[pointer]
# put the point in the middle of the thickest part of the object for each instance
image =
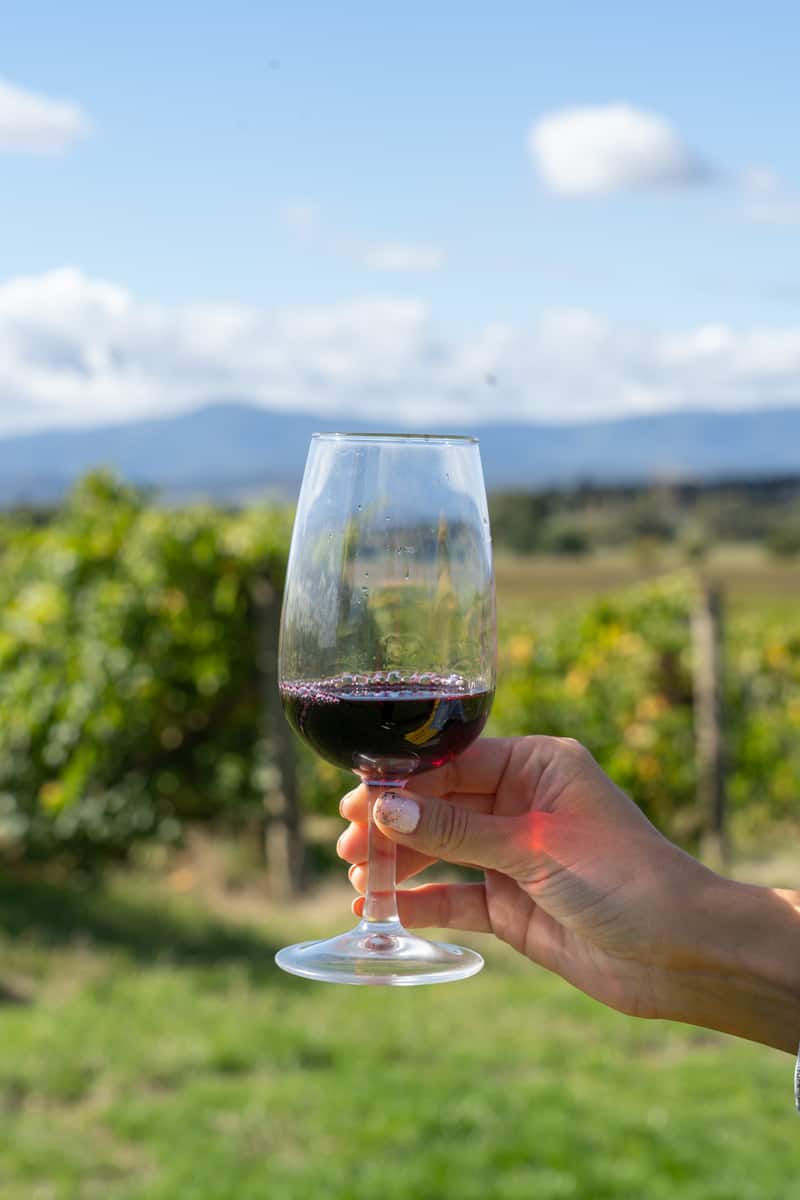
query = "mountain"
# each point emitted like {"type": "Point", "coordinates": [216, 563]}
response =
{"type": "Point", "coordinates": [229, 451]}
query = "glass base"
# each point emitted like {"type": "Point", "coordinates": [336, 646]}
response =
{"type": "Point", "coordinates": [380, 953]}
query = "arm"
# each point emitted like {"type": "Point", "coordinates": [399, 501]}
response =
{"type": "Point", "coordinates": [581, 882]}
{"type": "Point", "coordinates": [744, 977]}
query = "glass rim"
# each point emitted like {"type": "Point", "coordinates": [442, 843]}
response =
{"type": "Point", "coordinates": [436, 438]}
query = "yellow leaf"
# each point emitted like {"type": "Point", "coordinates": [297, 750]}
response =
{"type": "Point", "coordinates": [51, 795]}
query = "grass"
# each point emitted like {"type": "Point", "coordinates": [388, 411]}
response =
{"type": "Point", "coordinates": [151, 1051]}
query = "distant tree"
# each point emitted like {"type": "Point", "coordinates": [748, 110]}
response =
{"type": "Point", "coordinates": [784, 539]}
{"type": "Point", "coordinates": [517, 519]}
{"type": "Point", "coordinates": [562, 536]}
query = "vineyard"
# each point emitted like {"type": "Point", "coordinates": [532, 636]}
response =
{"type": "Point", "coordinates": [135, 649]}
{"type": "Point", "coordinates": [617, 675]}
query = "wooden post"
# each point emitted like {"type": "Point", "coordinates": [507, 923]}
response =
{"type": "Point", "coordinates": [706, 622]}
{"type": "Point", "coordinates": [283, 841]}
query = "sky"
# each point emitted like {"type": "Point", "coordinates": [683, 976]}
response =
{"type": "Point", "coordinates": [417, 212]}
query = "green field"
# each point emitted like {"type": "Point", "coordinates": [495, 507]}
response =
{"type": "Point", "coordinates": [153, 1052]}
{"type": "Point", "coordinates": [748, 576]}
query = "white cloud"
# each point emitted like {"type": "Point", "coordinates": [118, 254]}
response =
{"type": "Point", "coordinates": [80, 351]}
{"type": "Point", "coordinates": [780, 211]}
{"type": "Point", "coordinates": [35, 124]}
{"type": "Point", "coordinates": [303, 220]}
{"type": "Point", "coordinates": [760, 181]}
{"type": "Point", "coordinates": [767, 199]}
{"type": "Point", "coordinates": [608, 148]}
{"type": "Point", "coordinates": [403, 256]}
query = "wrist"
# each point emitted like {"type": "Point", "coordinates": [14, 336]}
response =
{"type": "Point", "coordinates": [737, 968]}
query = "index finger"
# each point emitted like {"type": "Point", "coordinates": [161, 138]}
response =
{"type": "Point", "coordinates": [471, 779]}
{"type": "Point", "coordinates": [354, 807]}
{"type": "Point", "coordinates": [479, 769]}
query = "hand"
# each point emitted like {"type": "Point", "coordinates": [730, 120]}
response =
{"type": "Point", "coordinates": [576, 877]}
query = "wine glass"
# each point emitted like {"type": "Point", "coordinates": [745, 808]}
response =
{"type": "Point", "coordinates": [387, 654]}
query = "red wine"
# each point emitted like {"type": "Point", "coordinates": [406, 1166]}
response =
{"type": "Point", "coordinates": [385, 725]}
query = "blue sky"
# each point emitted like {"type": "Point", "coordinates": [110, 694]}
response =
{"type": "Point", "coordinates": [343, 208]}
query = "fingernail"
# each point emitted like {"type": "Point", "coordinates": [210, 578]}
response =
{"type": "Point", "coordinates": [338, 843]}
{"type": "Point", "coordinates": [397, 810]}
{"type": "Point", "coordinates": [351, 873]}
{"type": "Point", "coordinates": [344, 800]}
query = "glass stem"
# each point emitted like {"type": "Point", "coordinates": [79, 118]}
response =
{"type": "Point", "coordinates": [380, 903]}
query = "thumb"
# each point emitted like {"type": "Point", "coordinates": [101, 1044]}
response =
{"type": "Point", "coordinates": [440, 829]}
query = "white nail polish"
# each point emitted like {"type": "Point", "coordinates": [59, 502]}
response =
{"type": "Point", "coordinates": [398, 811]}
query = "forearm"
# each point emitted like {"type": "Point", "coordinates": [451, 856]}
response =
{"type": "Point", "coordinates": [743, 973]}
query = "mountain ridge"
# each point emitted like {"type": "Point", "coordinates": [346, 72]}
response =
{"type": "Point", "coordinates": [230, 450]}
